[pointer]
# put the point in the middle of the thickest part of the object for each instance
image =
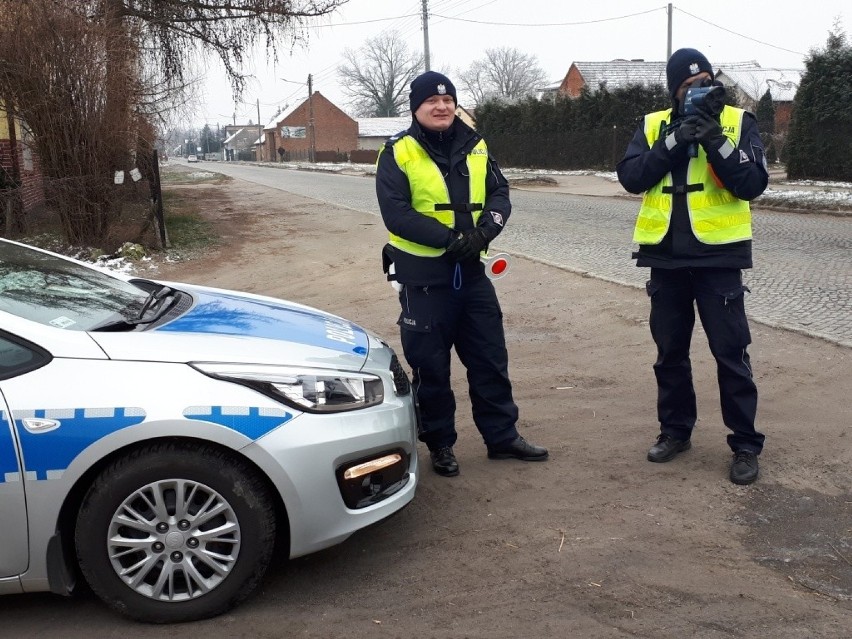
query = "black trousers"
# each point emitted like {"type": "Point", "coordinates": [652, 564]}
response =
{"type": "Point", "coordinates": [433, 321]}
{"type": "Point", "coordinates": [718, 293]}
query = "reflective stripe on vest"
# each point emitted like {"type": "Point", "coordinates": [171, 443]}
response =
{"type": "Point", "coordinates": [428, 188]}
{"type": "Point", "coordinates": [717, 216]}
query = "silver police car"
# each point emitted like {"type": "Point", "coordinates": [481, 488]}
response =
{"type": "Point", "coordinates": [159, 438]}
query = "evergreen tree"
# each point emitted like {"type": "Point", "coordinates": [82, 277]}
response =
{"type": "Point", "coordinates": [820, 139]}
{"type": "Point", "coordinates": [766, 113]}
{"type": "Point", "coordinates": [766, 123]}
{"type": "Point", "coordinates": [208, 141]}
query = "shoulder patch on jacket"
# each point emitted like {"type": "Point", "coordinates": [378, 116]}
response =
{"type": "Point", "coordinates": [395, 138]}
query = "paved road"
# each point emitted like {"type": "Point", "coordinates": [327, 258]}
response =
{"type": "Point", "coordinates": [803, 275]}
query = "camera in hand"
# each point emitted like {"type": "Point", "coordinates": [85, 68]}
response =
{"type": "Point", "coordinates": [710, 100]}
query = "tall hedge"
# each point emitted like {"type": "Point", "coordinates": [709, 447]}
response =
{"type": "Point", "coordinates": [820, 139]}
{"type": "Point", "coordinates": [588, 132]}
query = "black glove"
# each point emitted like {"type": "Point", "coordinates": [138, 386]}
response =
{"type": "Point", "coordinates": [477, 239]}
{"type": "Point", "coordinates": [487, 222]}
{"type": "Point", "coordinates": [467, 245]}
{"type": "Point", "coordinates": [706, 128]}
{"type": "Point", "coordinates": [686, 133]}
{"type": "Point", "coordinates": [458, 248]}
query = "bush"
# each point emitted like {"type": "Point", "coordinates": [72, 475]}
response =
{"type": "Point", "coordinates": [591, 131]}
{"type": "Point", "coordinates": [819, 145]}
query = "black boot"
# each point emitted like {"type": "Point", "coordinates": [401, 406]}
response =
{"type": "Point", "coordinates": [666, 448]}
{"type": "Point", "coordinates": [744, 468]}
{"type": "Point", "coordinates": [518, 448]}
{"type": "Point", "coordinates": [444, 462]}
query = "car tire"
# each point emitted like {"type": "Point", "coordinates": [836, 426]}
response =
{"type": "Point", "coordinates": [175, 532]}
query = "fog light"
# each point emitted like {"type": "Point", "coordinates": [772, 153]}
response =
{"type": "Point", "coordinates": [363, 482]}
{"type": "Point", "coordinates": [372, 466]}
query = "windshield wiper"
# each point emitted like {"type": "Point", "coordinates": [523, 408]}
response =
{"type": "Point", "coordinates": [154, 302]}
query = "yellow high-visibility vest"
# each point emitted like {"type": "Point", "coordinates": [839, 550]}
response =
{"type": "Point", "coordinates": [717, 216]}
{"type": "Point", "coordinates": [429, 189]}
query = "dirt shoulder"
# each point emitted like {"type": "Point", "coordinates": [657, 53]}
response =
{"type": "Point", "coordinates": [597, 542]}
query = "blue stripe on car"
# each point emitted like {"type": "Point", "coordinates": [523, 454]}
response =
{"type": "Point", "coordinates": [79, 427]}
{"type": "Point", "coordinates": [251, 421]}
{"type": "Point", "coordinates": [8, 458]}
{"type": "Point", "coordinates": [48, 453]}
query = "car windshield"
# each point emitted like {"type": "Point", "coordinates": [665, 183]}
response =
{"type": "Point", "coordinates": [49, 290]}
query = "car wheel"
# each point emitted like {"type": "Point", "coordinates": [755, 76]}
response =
{"type": "Point", "coordinates": [175, 532]}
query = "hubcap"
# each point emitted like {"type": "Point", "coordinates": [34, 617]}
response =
{"type": "Point", "coordinates": [174, 540]}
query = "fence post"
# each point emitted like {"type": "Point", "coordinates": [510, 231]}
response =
{"type": "Point", "coordinates": [9, 205]}
{"type": "Point", "coordinates": [157, 201]}
{"type": "Point", "coordinates": [614, 140]}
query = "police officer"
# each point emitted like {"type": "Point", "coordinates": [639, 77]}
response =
{"type": "Point", "coordinates": [694, 232]}
{"type": "Point", "coordinates": [443, 199]}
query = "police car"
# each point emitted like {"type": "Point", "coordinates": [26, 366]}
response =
{"type": "Point", "coordinates": [158, 439]}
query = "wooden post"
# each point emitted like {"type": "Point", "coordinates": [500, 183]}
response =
{"type": "Point", "coordinates": [157, 202]}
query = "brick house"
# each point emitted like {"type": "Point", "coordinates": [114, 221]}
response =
{"type": "Point", "coordinates": [18, 162]}
{"type": "Point", "coordinates": [337, 135]}
{"type": "Point", "coordinates": [614, 74]}
{"type": "Point", "coordinates": [751, 82]}
{"type": "Point", "coordinates": [334, 131]}
{"type": "Point", "coordinates": [748, 80]}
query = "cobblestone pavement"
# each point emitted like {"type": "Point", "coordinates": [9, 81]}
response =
{"type": "Point", "coordinates": [802, 279]}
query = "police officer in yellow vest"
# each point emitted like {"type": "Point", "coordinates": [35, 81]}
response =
{"type": "Point", "coordinates": [694, 232]}
{"type": "Point", "coordinates": [443, 199]}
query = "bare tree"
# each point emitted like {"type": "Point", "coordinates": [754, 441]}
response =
{"type": "Point", "coordinates": [86, 75]}
{"type": "Point", "coordinates": [505, 74]}
{"type": "Point", "coordinates": [53, 73]}
{"type": "Point", "coordinates": [175, 31]}
{"type": "Point", "coordinates": [376, 76]}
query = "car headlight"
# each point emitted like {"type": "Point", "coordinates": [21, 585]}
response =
{"type": "Point", "coordinates": [313, 390]}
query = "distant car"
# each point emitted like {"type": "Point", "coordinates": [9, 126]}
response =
{"type": "Point", "coordinates": [192, 158]}
{"type": "Point", "coordinates": [159, 438]}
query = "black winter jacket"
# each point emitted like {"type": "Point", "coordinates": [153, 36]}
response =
{"type": "Point", "coordinates": [743, 173]}
{"type": "Point", "coordinates": [449, 151]}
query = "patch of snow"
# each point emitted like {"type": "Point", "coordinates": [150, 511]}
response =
{"type": "Point", "coordinates": [831, 197]}
{"type": "Point", "coordinates": [118, 264]}
{"type": "Point", "coordinates": [834, 185]}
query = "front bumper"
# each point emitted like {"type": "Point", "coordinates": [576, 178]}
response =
{"type": "Point", "coordinates": [304, 456]}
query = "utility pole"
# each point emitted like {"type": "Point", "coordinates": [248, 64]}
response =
{"type": "Point", "coordinates": [312, 139]}
{"type": "Point", "coordinates": [259, 132]}
{"type": "Point", "coordinates": [426, 34]}
{"type": "Point", "coordinates": [669, 43]}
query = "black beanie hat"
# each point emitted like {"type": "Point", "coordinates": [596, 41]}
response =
{"type": "Point", "coordinates": [684, 64]}
{"type": "Point", "coordinates": [428, 84]}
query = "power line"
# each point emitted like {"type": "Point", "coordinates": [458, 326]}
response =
{"type": "Point", "coordinates": [549, 24]}
{"type": "Point", "coordinates": [351, 24]}
{"type": "Point", "coordinates": [739, 34]}
{"type": "Point", "coordinates": [461, 13]}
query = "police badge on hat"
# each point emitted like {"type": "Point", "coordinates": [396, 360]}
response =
{"type": "Point", "coordinates": [442, 89]}
{"type": "Point", "coordinates": [693, 68]}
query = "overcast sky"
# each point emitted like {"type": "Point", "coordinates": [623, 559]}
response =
{"type": "Point", "coordinates": [557, 32]}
